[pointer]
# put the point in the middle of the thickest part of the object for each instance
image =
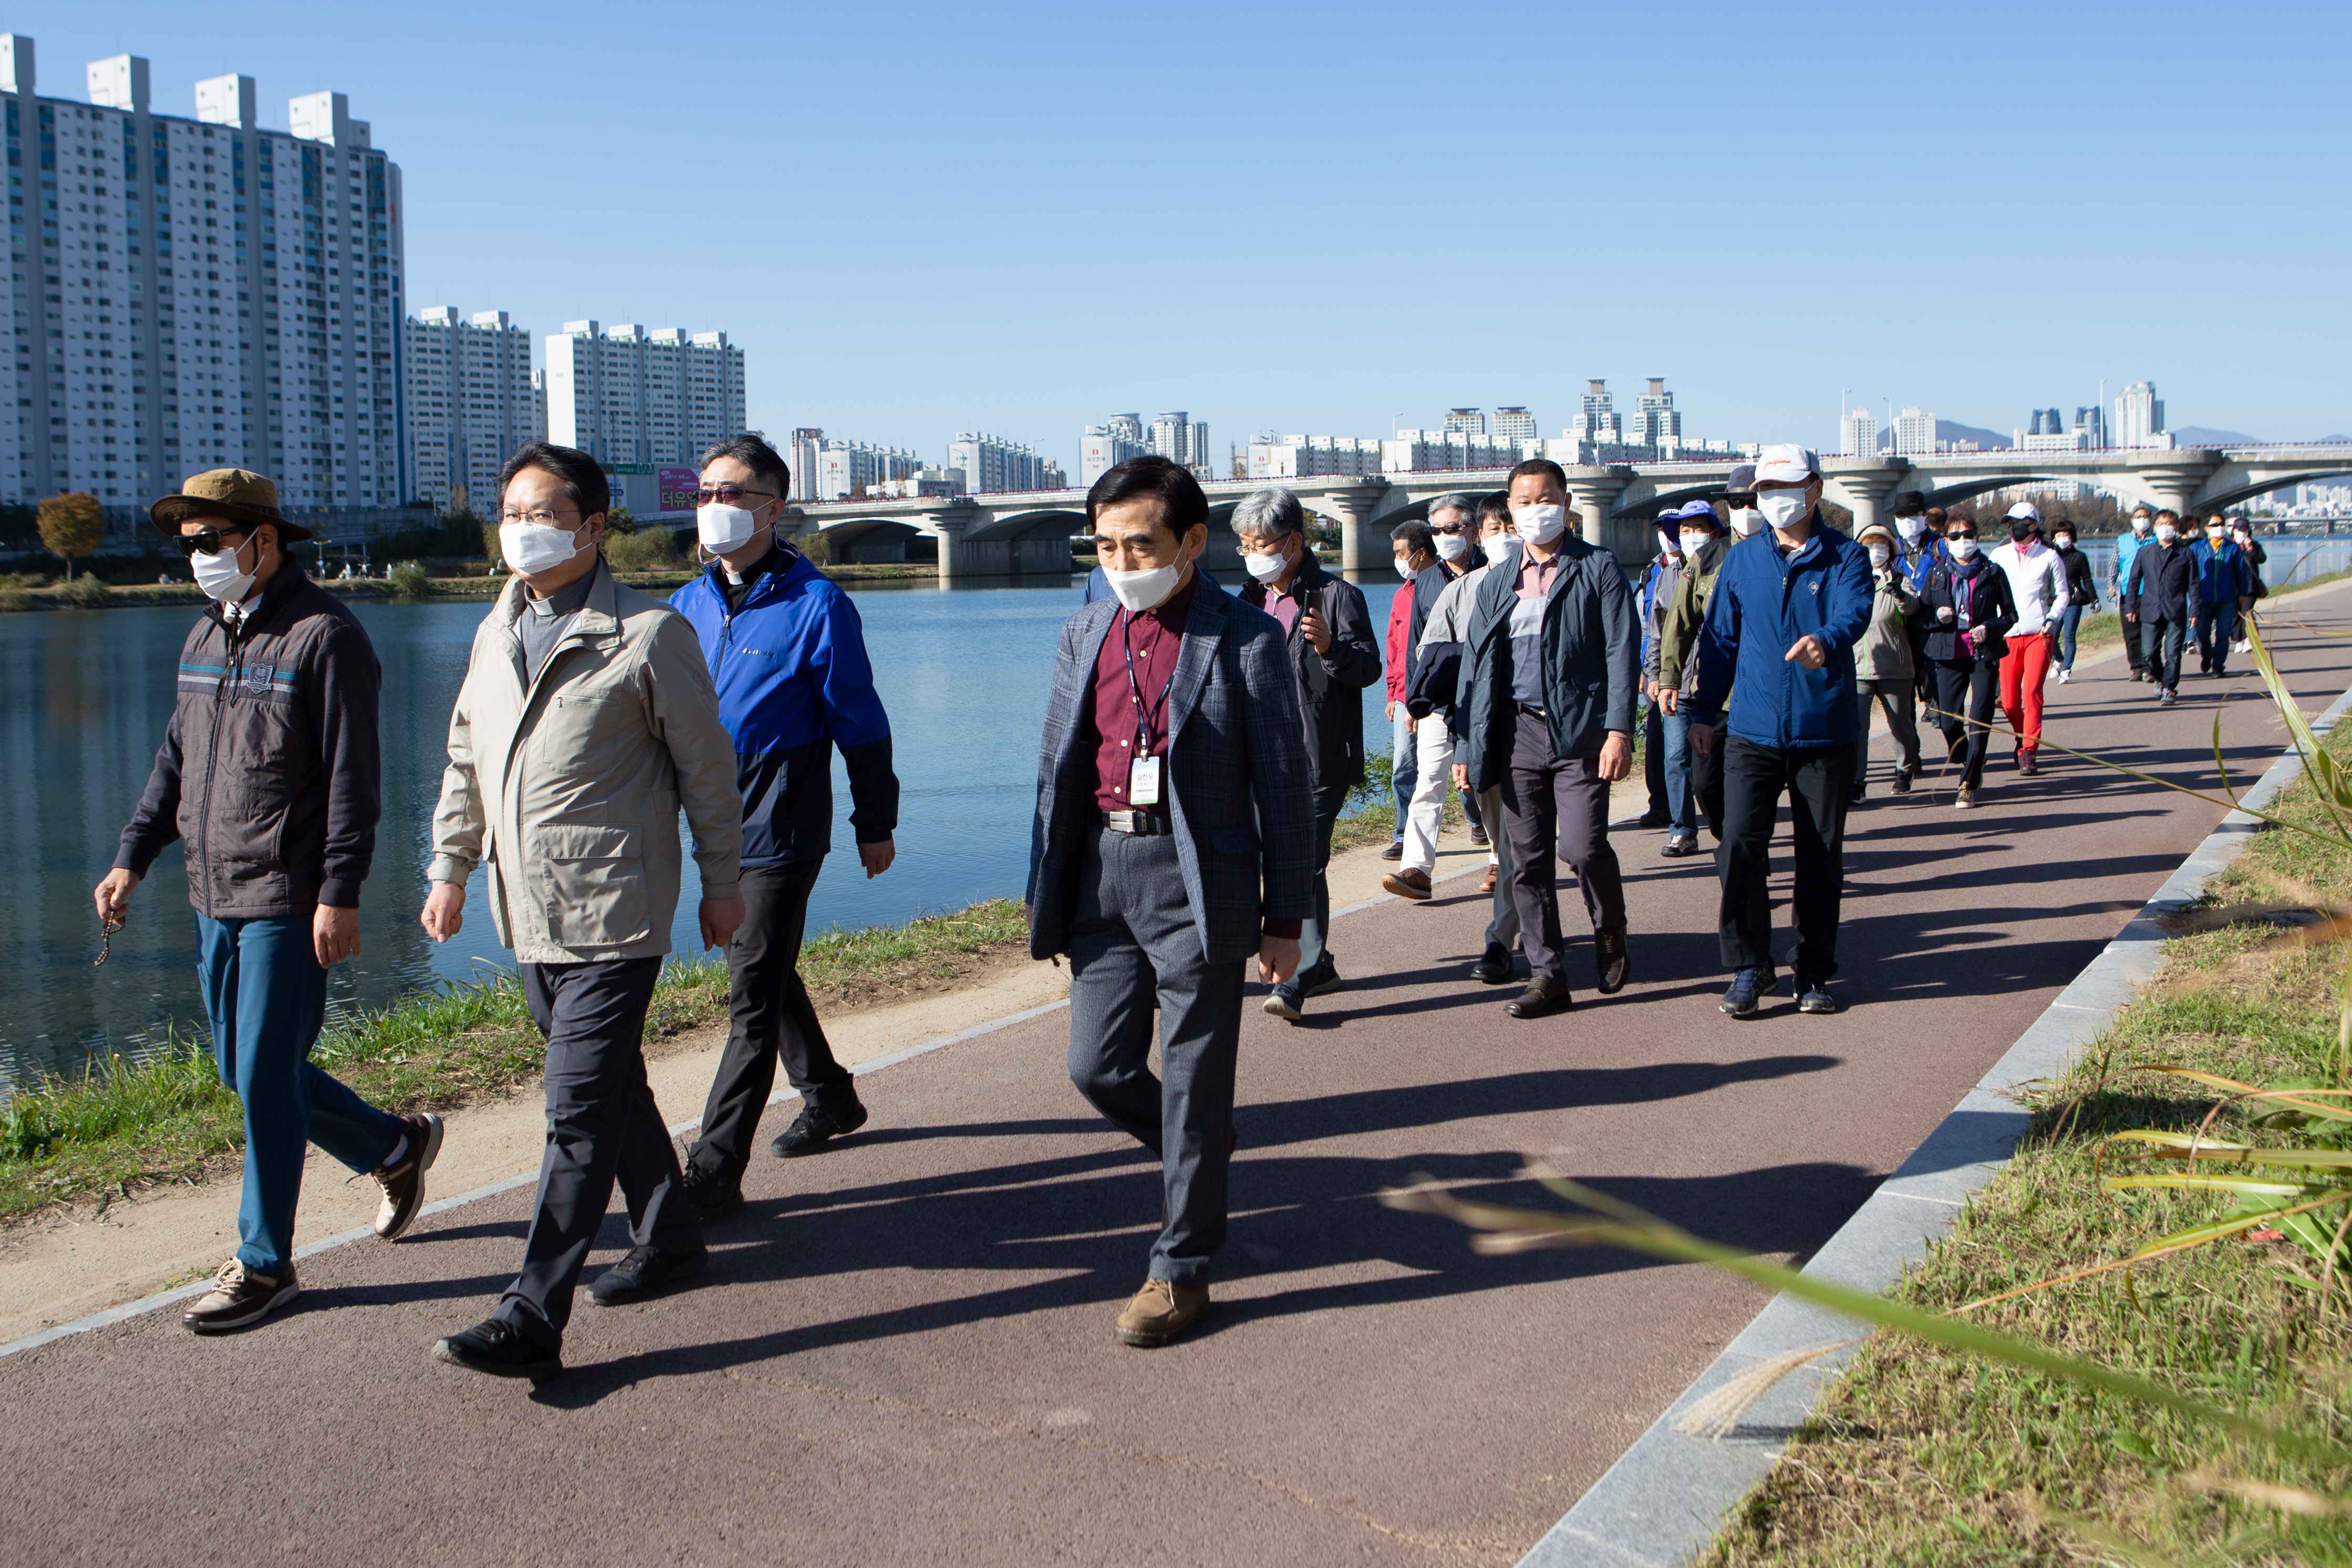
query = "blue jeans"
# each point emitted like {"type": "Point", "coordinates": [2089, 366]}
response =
{"type": "Point", "coordinates": [1673, 731]}
{"type": "Point", "coordinates": [2068, 619]}
{"type": "Point", "coordinates": [1404, 765]}
{"type": "Point", "coordinates": [268, 997]}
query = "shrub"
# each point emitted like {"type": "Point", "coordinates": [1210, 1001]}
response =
{"type": "Point", "coordinates": [410, 580]}
{"type": "Point", "coordinates": [89, 593]}
{"type": "Point", "coordinates": [71, 525]}
{"type": "Point", "coordinates": [649, 548]}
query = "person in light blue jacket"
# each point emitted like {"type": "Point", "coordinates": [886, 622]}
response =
{"type": "Point", "coordinates": [1789, 604]}
{"type": "Point", "coordinates": [2143, 519]}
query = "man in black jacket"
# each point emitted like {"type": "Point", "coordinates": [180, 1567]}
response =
{"type": "Point", "coordinates": [1334, 654]}
{"type": "Point", "coordinates": [270, 771]}
{"type": "Point", "coordinates": [2158, 592]}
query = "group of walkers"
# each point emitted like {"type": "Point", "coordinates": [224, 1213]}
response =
{"type": "Point", "coordinates": [1197, 750]}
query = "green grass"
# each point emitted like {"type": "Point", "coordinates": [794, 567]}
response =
{"type": "Point", "coordinates": [1922, 1456]}
{"type": "Point", "coordinates": [167, 1117]}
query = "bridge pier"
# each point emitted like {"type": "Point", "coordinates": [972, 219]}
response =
{"type": "Point", "coordinates": [1359, 550]}
{"type": "Point", "coordinates": [1592, 493]}
{"type": "Point", "coordinates": [1861, 485]}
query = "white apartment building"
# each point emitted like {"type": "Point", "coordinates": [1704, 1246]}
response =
{"type": "Point", "coordinates": [1176, 437]}
{"type": "Point", "coordinates": [992, 464]}
{"type": "Point", "coordinates": [634, 394]}
{"type": "Point", "coordinates": [1657, 422]}
{"type": "Point", "coordinates": [471, 400]}
{"type": "Point", "coordinates": [1858, 434]}
{"type": "Point", "coordinates": [800, 454]}
{"type": "Point", "coordinates": [845, 469]}
{"type": "Point", "coordinates": [1314, 457]}
{"type": "Point", "coordinates": [2139, 417]}
{"type": "Point", "coordinates": [1915, 433]}
{"type": "Point", "coordinates": [1422, 451]}
{"type": "Point", "coordinates": [1514, 423]}
{"type": "Point", "coordinates": [198, 293]}
{"type": "Point", "coordinates": [1103, 447]}
{"type": "Point", "coordinates": [1465, 422]}
{"type": "Point", "coordinates": [1596, 417]}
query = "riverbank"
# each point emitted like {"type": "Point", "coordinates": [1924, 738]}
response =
{"type": "Point", "coordinates": [23, 592]}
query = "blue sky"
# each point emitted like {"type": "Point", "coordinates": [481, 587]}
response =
{"type": "Point", "coordinates": [918, 218]}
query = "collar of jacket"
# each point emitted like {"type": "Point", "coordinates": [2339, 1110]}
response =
{"type": "Point", "coordinates": [599, 617]}
{"type": "Point", "coordinates": [1204, 627]}
{"type": "Point", "coordinates": [283, 584]}
{"type": "Point", "coordinates": [790, 563]}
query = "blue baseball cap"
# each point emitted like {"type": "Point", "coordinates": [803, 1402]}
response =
{"type": "Point", "coordinates": [1691, 509]}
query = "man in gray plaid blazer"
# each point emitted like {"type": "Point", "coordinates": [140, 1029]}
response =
{"type": "Point", "coordinates": [1173, 838]}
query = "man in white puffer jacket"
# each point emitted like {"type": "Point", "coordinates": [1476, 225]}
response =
{"type": "Point", "coordinates": [2037, 581]}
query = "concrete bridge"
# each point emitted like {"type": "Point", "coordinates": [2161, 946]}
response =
{"type": "Point", "coordinates": [1003, 533]}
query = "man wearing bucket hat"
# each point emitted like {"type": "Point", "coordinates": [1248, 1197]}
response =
{"type": "Point", "coordinates": [1698, 548]}
{"type": "Point", "coordinates": [269, 770]}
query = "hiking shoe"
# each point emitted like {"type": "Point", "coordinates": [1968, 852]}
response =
{"type": "Point", "coordinates": [1901, 785]}
{"type": "Point", "coordinates": [2028, 762]}
{"type": "Point", "coordinates": [1967, 799]}
{"type": "Point", "coordinates": [1487, 883]}
{"type": "Point", "coordinates": [816, 1126]}
{"type": "Point", "coordinates": [1159, 1313]}
{"type": "Point", "coordinates": [1395, 852]}
{"type": "Point", "coordinates": [1408, 882]}
{"type": "Point", "coordinates": [1813, 995]}
{"type": "Point", "coordinates": [1543, 998]}
{"type": "Point", "coordinates": [1654, 817]}
{"type": "Point", "coordinates": [1497, 967]}
{"type": "Point", "coordinates": [1478, 837]}
{"type": "Point", "coordinates": [1678, 845]}
{"type": "Point", "coordinates": [1287, 1002]}
{"type": "Point", "coordinates": [1610, 962]}
{"type": "Point", "coordinates": [2164, 700]}
{"type": "Point", "coordinates": [714, 1195]}
{"type": "Point", "coordinates": [646, 1271]}
{"type": "Point", "coordinates": [404, 1184]}
{"type": "Point", "coordinates": [239, 1299]}
{"type": "Point", "coordinates": [1320, 980]}
{"type": "Point", "coordinates": [498, 1349]}
{"type": "Point", "coordinates": [1739, 1001]}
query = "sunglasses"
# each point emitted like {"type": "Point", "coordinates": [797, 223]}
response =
{"type": "Point", "coordinates": [727, 495]}
{"type": "Point", "coordinates": [210, 542]}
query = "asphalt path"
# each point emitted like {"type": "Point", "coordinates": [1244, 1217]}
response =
{"type": "Point", "coordinates": [902, 1350]}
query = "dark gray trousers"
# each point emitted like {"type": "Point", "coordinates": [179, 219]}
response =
{"type": "Point", "coordinates": [1557, 805]}
{"type": "Point", "coordinates": [770, 1018]}
{"type": "Point", "coordinates": [602, 1125]}
{"type": "Point", "coordinates": [1315, 932]}
{"type": "Point", "coordinates": [1133, 947]}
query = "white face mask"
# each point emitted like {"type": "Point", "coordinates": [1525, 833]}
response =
{"type": "Point", "coordinates": [1746, 520]}
{"type": "Point", "coordinates": [2061, 542]}
{"type": "Point", "coordinates": [1404, 569]}
{"type": "Point", "coordinates": [2167, 533]}
{"type": "Point", "coordinates": [1539, 524]}
{"type": "Point", "coordinates": [1695, 542]}
{"type": "Point", "coordinates": [221, 578]}
{"type": "Point", "coordinates": [1880, 555]}
{"type": "Point", "coordinates": [1782, 508]}
{"type": "Point", "coordinates": [1142, 590]}
{"type": "Point", "coordinates": [532, 549]}
{"type": "Point", "coordinates": [1266, 568]}
{"type": "Point", "coordinates": [1911, 527]}
{"type": "Point", "coordinates": [1962, 547]}
{"type": "Point", "coordinates": [1452, 547]}
{"type": "Point", "coordinates": [2139, 525]}
{"type": "Point", "coordinates": [724, 530]}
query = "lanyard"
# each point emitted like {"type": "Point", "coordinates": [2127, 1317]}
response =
{"type": "Point", "coordinates": [1143, 711]}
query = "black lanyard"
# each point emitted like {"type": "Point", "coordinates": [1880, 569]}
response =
{"type": "Point", "coordinates": [1143, 711]}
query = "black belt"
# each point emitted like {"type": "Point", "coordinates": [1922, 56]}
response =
{"type": "Point", "coordinates": [1532, 711]}
{"type": "Point", "coordinates": [1143, 824]}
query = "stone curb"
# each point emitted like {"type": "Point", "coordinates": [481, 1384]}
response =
{"type": "Point", "coordinates": [1663, 1501]}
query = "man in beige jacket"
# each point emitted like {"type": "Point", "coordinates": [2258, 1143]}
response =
{"type": "Point", "coordinates": [587, 719]}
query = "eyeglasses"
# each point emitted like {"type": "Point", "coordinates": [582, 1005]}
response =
{"type": "Point", "coordinates": [727, 495]}
{"type": "Point", "coordinates": [537, 520]}
{"type": "Point", "coordinates": [1446, 528]}
{"type": "Point", "coordinates": [210, 541]}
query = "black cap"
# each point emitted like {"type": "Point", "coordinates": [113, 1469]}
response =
{"type": "Point", "coordinates": [1903, 503]}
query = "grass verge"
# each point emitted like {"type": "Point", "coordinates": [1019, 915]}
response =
{"type": "Point", "coordinates": [1922, 1456]}
{"type": "Point", "coordinates": [131, 1124]}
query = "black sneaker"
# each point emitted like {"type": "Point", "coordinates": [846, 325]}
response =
{"type": "Point", "coordinates": [1395, 852]}
{"type": "Point", "coordinates": [1901, 785]}
{"type": "Point", "coordinates": [1287, 1002]}
{"type": "Point", "coordinates": [1855, 795]}
{"type": "Point", "coordinates": [1610, 962]}
{"type": "Point", "coordinates": [1497, 968]}
{"type": "Point", "coordinates": [1654, 818]}
{"type": "Point", "coordinates": [1739, 1001]}
{"type": "Point", "coordinates": [499, 1350]}
{"type": "Point", "coordinates": [1478, 837]}
{"type": "Point", "coordinates": [1813, 995]}
{"type": "Point", "coordinates": [714, 1195]}
{"type": "Point", "coordinates": [1321, 980]}
{"type": "Point", "coordinates": [815, 1128]}
{"type": "Point", "coordinates": [646, 1271]}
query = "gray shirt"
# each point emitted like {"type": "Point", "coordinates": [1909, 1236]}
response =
{"type": "Point", "coordinates": [545, 620]}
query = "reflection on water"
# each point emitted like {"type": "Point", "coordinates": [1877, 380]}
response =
{"type": "Point", "coordinates": [85, 697]}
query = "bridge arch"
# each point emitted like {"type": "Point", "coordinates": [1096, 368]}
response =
{"type": "Point", "coordinates": [1036, 523]}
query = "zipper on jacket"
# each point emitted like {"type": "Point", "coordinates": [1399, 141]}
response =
{"type": "Point", "coordinates": [235, 644]}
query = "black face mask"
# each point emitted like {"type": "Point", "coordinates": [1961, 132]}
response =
{"type": "Point", "coordinates": [2017, 533]}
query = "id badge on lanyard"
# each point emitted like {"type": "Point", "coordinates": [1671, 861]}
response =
{"type": "Point", "coordinates": [1143, 781]}
{"type": "Point", "coordinates": [1143, 772]}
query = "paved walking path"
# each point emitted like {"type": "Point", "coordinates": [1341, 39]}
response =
{"type": "Point", "coordinates": [901, 1353]}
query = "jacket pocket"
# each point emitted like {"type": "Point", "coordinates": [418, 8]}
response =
{"type": "Point", "coordinates": [591, 884]}
{"type": "Point", "coordinates": [1233, 841]}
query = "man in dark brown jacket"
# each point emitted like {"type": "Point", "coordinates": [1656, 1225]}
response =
{"type": "Point", "coordinates": [268, 770]}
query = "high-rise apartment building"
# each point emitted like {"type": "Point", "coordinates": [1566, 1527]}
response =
{"type": "Point", "coordinates": [799, 456]}
{"type": "Point", "coordinates": [2139, 417]}
{"type": "Point", "coordinates": [471, 400]}
{"type": "Point", "coordinates": [1858, 434]}
{"type": "Point", "coordinates": [844, 469]}
{"type": "Point", "coordinates": [2090, 422]}
{"type": "Point", "coordinates": [1596, 417]}
{"type": "Point", "coordinates": [1514, 423]}
{"type": "Point", "coordinates": [1103, 447]}
{"type": "Point", "coordinates": [1181, 440]}
{"type": "Point", "coordinates": [1315, 456]}
{"type": "Point", "coordinates": [1655, 422]}
{"type": "Point", "coordinates": [1465, 422]}
{"type": "Point", "coordinates": [637, 395]}
{"type": "Point", "coordinates": [198, 293]}
{"type": "Point", "coordinates": [991, 464]}
{"type": "Point", "coordinates": [1915, 433]}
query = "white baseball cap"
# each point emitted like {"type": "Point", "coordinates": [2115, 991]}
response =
{"type": "Point", "coordinates": [1786, 466]}
{"type": "Point", "coordinates": [2025, 510]}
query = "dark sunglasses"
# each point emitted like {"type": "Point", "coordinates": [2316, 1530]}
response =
{"type": "Point", "coordinates": [210, 542]}
{"type": "Point", "coordinates": [727, 495]}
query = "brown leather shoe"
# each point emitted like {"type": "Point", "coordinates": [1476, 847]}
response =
{"type": "Point", "coordinates": [239, 1300]}
{"type": "Point", "coordinates": [404, 1184]}
{"type": "Point", "coordinates": [1407, 883]}
{"type": "Point", "coordinates": [1160, 1312]}
{"type": "Point", "coordinates": [1543, 998]}
{"type": "Point", "coordinates": [1487, 883]}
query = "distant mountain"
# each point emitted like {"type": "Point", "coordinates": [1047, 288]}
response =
{"type": "Point", "coordinates": [2205, 436]}
{"type": "Point", "coordinates": [1950, 430]}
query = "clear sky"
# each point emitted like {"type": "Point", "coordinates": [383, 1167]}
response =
{"type": "Point", "coordinates": [924, 217]}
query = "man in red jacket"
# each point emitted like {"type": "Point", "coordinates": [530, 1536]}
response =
{"type": "Point", "coordinates": [1416, 551]}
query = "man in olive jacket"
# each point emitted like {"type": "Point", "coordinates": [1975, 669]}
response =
{"type": "Point", "coordinates": [269, 771]}
{"type": "Point", "coordinates": [1551, 665]}
{"type": "Point", "coordinates": [587, 718]}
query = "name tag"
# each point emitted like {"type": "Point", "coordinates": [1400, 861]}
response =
{"type": "Point", "coordinates": [1143, 781]}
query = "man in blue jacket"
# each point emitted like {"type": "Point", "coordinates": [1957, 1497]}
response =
{"type": "Point", "coordinates": [2225, 588]}
{"type": "Point", "coordinates": [788, 654]}
{"type": "Point", "coordinates": [1789, 606]}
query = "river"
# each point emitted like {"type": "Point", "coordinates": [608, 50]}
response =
{"type": "Point", "coordinates": [85, 697]}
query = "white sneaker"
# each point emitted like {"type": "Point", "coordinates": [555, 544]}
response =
{"type": "Point", "coordinates": [2065, 677]}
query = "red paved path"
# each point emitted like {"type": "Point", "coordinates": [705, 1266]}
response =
{"type": "Point", "coordinates": [902, 1354]}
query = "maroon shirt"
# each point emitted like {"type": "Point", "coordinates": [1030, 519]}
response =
{"type": "Point", "coordinates": [1155, 638]}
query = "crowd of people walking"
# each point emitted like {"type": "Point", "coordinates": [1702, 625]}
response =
{"type": "Point", "coordinates": [1198, 748]}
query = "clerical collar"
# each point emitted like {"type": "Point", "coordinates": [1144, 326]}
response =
{"type": "Point", "coordinates": [567, 600]}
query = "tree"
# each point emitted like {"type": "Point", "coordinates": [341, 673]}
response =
{"type": "Point", "coordinates": [71, 525]}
